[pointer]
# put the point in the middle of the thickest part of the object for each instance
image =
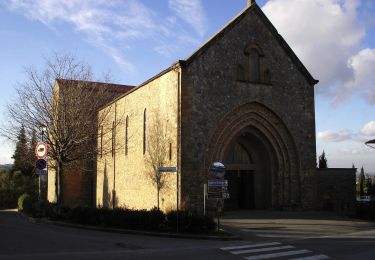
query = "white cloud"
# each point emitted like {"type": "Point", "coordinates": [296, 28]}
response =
{"type": "Point", "coordinates": [361, 136]}
{"type": "Point", "coordinates": [192, 12]}
{"type": "Point", "coordinates": [117, 26]}
{"type": "Point", "coordinates": [103, 22]}
{"type": "Point", "coordinates": [349, 151]}
{"type": "Point", "coordinates": [326, 35]}
{"type": "Point", "coordinates": [339, 136]}
{"type": "Point", "coordinates": [368, 129]}
{"type": "Point", "coordinates": [363, 66]}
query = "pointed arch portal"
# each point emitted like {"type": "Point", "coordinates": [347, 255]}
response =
{"type": "Point", "coordinates": [260, 157]}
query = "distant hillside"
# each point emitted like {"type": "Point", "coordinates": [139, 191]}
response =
{"type": "Point", "coordinates": [7, 167]}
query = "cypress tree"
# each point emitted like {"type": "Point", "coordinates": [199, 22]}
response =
{"type": "Point", "coordinates": [21, 153]}
{"type": "Point", "coordinates": [323, 161]}
{"type": "Point", "coordinates": [361, 180]}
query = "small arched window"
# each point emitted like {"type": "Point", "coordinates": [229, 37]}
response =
{"type": "Point", "coordinates": [144, 131]}
{"type": "Point", "coordinates": [126, 134]}
{"type": "Point", "coordinates": [254, 65]}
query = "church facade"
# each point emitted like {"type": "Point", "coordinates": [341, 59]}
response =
{"type": "Point", "coordinates": [243, 99]}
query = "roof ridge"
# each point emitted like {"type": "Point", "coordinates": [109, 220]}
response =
{"type": "Point", "coordinates": [92, 82]}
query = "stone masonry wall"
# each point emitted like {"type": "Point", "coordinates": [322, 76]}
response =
{"type": "Point", "coordinates": [127, 174]}
{"type": "Point", "coordinates": [210, 90]}
{"type": "Point", "coordinates": [336, 189]}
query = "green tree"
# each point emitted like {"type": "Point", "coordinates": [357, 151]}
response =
{"type": "Point", "coordinates": [64, 97]}
{"type": "Point", "coordinates": [21, 153]}
{"type": "Point", "coordinates": [371, 186]}
{"type": "Point", "coordinates": [323, 161]}
{"type": "Point", "coordinates": [13, 185]}
{"type": "Point", "coordinates": [361, 182]}
{"type": "Point", "coordinates": [368, 184]}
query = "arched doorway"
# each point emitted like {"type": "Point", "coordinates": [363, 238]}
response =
{"type": "Point", "coordinates": [260, 157]}
{"type": "Point", "coordinates": [250, 163]}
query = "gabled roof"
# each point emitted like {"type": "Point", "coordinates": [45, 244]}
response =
{"type": "Point", "coordinates": [256, 10]}
{"type": "Point", "coordinates": [252, 8]}
{"type": "Point", "coordinates": [110, 87]}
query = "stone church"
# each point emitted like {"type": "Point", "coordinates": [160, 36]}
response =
{"type": "Point", "coordinates": [243, 99]}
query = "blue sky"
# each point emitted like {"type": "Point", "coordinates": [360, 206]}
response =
{"type": "Point", "coordinates": [136, 39]}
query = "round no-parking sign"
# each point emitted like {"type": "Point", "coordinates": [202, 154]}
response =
{"type": "Point", "coordinates": [41, 150]}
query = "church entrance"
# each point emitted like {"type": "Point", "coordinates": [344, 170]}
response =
{"type": "Point", "coordinates": [260, 157]}
{"type": "Point", "coordinates": [249, 163]}
{"type": "Point", "coordinates": [241, 190]}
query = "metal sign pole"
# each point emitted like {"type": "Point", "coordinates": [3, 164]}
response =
{"type": "Point", "coordinates": [204, 198]}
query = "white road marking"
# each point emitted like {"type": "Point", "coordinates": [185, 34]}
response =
{"type": "Point", "coordinates": [314, 257]}
{"type": "Point", "coordinates": [266, 249]}
{"type": "Point", "coordinates": [250, 246]}
{"type": "Point", "coordinates": [266, 256]}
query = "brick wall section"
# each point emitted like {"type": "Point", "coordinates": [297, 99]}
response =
{"type": "Point", "coordinates": [210, 90]}
{"type": "Point", "coordinates": [336, 189]}
{"type": "Point", "coordinates": [80, 176]}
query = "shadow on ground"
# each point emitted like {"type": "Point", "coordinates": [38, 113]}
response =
{"type": "Point", "coordinates": [287, 225]}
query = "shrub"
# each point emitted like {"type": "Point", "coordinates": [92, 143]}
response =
{"type": "Point", "coordinates": [366, 210]}
{"type": "Point", "coordinates": [152, 220]}
{"type": "Point", "coordinates": [190, 222]}
{"type": "Point", "coordinates": [84, 216]}
{"type": "Point", "coordinates": [133, 219]}
{"type": "Point", "coordinates": [13, 185]}
{"type": "Point", "coordinates": [25, 203]}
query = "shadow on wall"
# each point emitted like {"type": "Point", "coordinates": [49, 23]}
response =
{"type": "Point", "coordinates": [106, 195]}
{"type": "Point", "coordinates": [109, 198]}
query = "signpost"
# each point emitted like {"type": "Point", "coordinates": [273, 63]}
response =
{"type": "Point", "coordinates": [41, 164]}
{"type": "Point", "coordinates": [41, 150]}
{"type": "Point", "coordinates": [217, 187]}
{"type": "Point", "coordinates": [167, 169]}
{"type": "Point", "coordinates": [41, 168]}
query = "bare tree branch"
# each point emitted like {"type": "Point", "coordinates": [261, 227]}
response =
{"type": "Point", "coordinates": [65, 99]}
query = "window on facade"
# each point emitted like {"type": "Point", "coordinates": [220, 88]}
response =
{"type": "Point", "coordinates": [101, 141]}
{"type": "Point", "coordinates": [170, 151]}
{"type": "Point", "coordinates": [126, 134]}
{"type": "Point", "coordinates": [254, 65]}
{"type": "Point", "coordinates": [144, 131]}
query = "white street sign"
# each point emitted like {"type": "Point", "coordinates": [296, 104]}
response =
{"type": "Point", "coordinates": [167, 169]}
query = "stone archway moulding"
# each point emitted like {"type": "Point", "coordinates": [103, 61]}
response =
{"type": "Point", "coordinates": [286, 181]}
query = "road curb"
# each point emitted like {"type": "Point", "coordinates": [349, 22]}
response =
{"type": "Point", "coordinates": [132, 232]}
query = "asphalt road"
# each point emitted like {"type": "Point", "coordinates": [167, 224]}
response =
{"type": "Point", "coordinates": [267, 235]}
{"type": "Point", "coordinates": [337, 237]}
{"type": "Point", "coordinates": [21, 239]}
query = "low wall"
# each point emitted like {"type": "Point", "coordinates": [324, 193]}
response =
{"type": "Point", "coordinates": [336, 189]}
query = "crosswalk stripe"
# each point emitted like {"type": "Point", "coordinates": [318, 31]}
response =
{"type": "Point", "coordinates": [265, 249]}
{"type": "Point", "coordinates": [250, 246]}
{"type": "Point", "coordinates": [265, 256]}
{"type": "Point", "coordinates": [314, 257]}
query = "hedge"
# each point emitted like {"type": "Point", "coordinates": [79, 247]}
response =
{"type": "Point", "coordinates": [148, 220]}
